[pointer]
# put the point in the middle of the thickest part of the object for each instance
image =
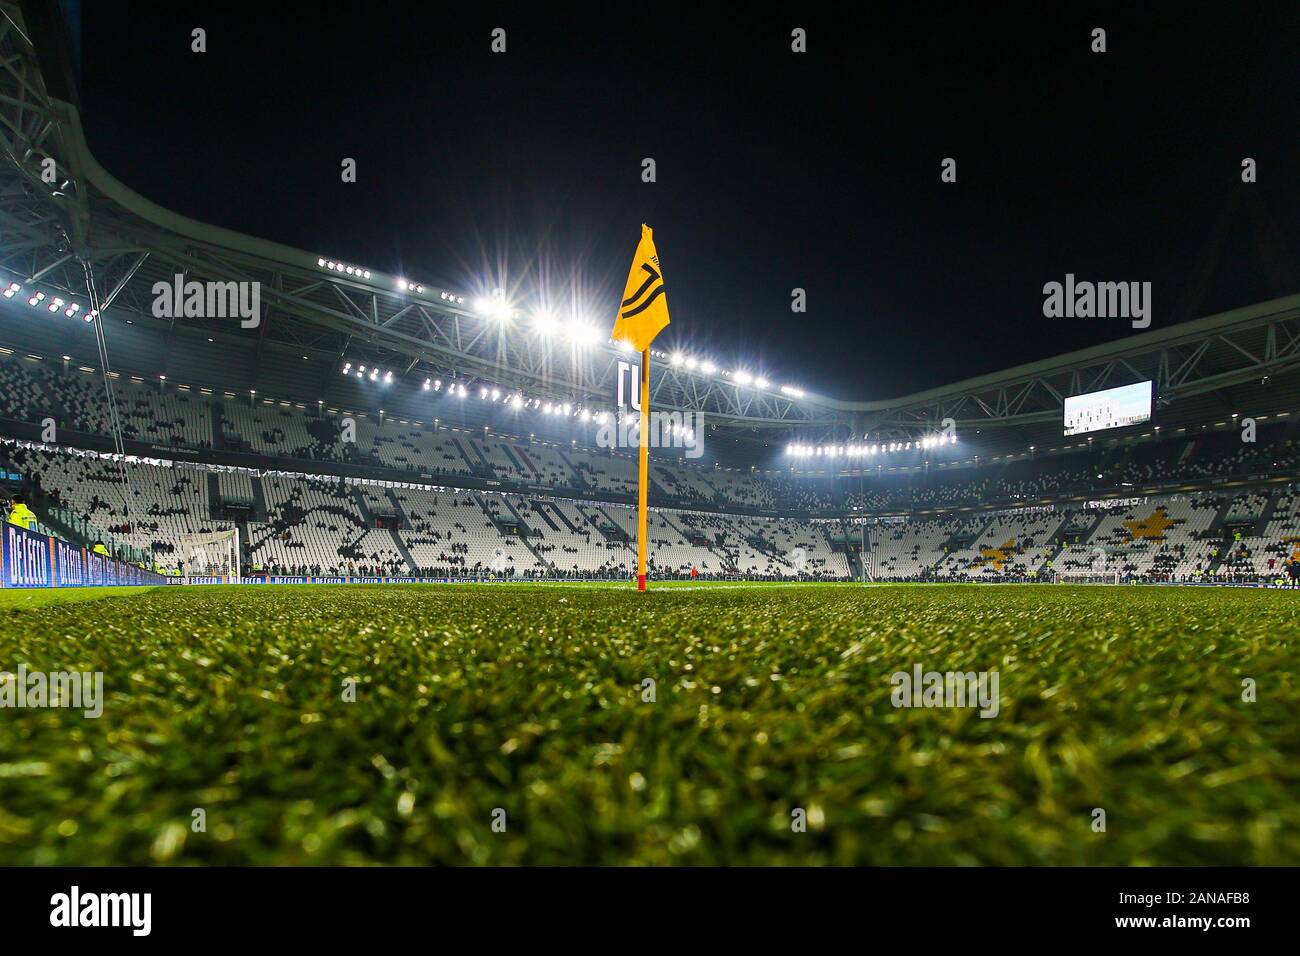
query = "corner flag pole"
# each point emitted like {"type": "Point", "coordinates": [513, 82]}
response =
{"type": "Point", "coordinates": [642, 314]}
{"type": "Point", "coordinates": [644, 471]}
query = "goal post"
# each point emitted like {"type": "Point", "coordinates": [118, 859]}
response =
{"type": "Point", "coordinates": [213, 554]}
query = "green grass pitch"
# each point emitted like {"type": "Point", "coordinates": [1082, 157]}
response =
{"type": "Point", "coordinates": [767, 699]}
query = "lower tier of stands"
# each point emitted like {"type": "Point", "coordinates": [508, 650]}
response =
{"type": "Point", "coordinates": [299, 524]}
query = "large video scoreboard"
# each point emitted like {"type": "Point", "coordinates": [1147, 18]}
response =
{"type": "Point", "coordinates": [1111, 408]}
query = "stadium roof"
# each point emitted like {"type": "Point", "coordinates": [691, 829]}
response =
{"type": "Point", "coordinates": [88, 238]}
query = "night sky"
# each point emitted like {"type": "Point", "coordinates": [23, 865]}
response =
{"type": "Point", "coordinates": [775, 170]}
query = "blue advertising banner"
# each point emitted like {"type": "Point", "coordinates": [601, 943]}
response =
{"type": "Point", "coordinates": [31, 560]}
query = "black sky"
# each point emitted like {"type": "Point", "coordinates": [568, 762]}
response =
{"type": "Point", "coordinates": [775, 170]}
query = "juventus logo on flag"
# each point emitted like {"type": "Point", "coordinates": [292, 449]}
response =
{"type": "Point", "coordinates": [643, 313]}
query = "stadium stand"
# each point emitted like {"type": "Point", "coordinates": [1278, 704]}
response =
{"type": "Point", "coordinates": [565, 512]}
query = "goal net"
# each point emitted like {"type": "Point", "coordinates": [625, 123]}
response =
{"type": "Point", "coordinates": [1087, 577]}
{"type": "Point", "coordinates": [211, 555]}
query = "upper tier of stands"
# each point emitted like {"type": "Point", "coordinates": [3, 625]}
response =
{"type": "Point", "coordinates": [298, 438]}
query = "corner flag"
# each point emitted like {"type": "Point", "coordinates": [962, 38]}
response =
{"type": "Point", "coordinates": [642, 315]}
{"type": "Point", "coordinates": [644, 310]}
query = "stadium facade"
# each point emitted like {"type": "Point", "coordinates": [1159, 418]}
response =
{"type": "Point", "coordinates": [163, 378]}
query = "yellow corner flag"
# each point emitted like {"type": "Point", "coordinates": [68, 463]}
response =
{"type": "Point", "coordinates": [642, 315]}
{"type": "Point", "coordinates": [644, 311]}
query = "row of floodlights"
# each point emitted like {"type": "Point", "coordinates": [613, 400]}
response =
{"type": "Point", "coordinates": [545, 323]}
{"type": "Point", "coordinates": [404, 285]}
{"type": "Point", "coordinates": [372, 373]}
{"type": "Point", "coordinates": [517, 400]}
{"type": "Point", "coordinates": [333, 266]}
{"type": "Point", "coordinates": [485, 393]}
{"type": "Point", "coordinates": [856, 451]}
{"type": "Point", "coordinates": [56, 304]}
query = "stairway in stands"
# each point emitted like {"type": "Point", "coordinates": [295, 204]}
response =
{"type": "Point", "coordinates": [525, 537]}
{"type": "Point", "coordinates": [545, 513]}
{"type": "Point", "coordinates": [360, 500]}
{"type": "Point", "coordinates": [259, 500]}
{"type": "Point", "coordinates": [561, 515]}
{"type": "Point", "coordinates": [579, 479]}
{"type": "Point", "coordinates": [402, 521]}
{"type": "Point", "coordinates": [404, 551]}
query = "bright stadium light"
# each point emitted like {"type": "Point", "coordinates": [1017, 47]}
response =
{"type": "Point", "coordinates": [743, 378]}
{"type": "Point", "coordinates": [762, 382]}
{"type": "Point", "coordinates": [792, 391]}
{"type": "Point", "coordinates": [677, 359]}
{"type": "Point", "coordinates": [582, 334]}
{"type": "Point", "coordinates": [545, 322]}
{"type": "Point", "coordinates": [691, 363]}
{"type": "Point", "coordinates": [493, 308]}
{"type": "Point", "coordinates": [708, 368]}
